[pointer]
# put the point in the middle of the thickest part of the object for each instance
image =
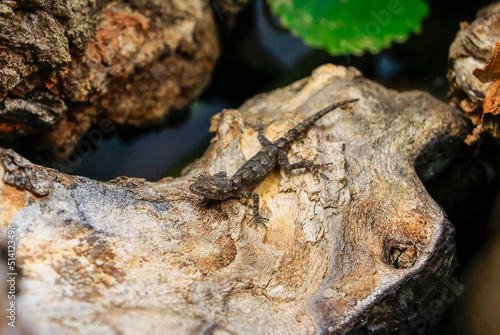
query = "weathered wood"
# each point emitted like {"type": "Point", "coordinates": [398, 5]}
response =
{"type": "Point", "coordinates": [367, 251]}
{"type": "Point", "coordinates": [475, 71]}
{"type": "Point", "coordinates": [66, 64]}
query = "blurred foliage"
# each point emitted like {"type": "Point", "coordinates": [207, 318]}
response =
{"type": "Point", "coordinates": [351, 26]}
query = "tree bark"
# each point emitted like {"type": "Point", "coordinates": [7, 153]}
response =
{"type": "Point", "coordinates": [64, 65]}
{"type": "Point", "coordinates": [365, 252]}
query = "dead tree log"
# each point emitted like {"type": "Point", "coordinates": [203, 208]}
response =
{"type": "Point", "coordinates": [64, 65]}
{"type": "Point", "coordinates": [366, 252]}
{"type": "Point", "coordinates": [475, 71]}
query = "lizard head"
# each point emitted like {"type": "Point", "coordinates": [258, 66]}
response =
{"type": "Point", "coordinates": [212, 187]}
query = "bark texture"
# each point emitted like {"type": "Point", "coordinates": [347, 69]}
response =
{"type": "Point", "coordinates": [365, 252]}
{"type": "Point", "coordinates": [66, 64]}
{"type": "Point", "coordinates": [475, 71]}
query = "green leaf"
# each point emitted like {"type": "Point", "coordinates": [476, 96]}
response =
{"type": "Point", "coordinates": [351, 26]}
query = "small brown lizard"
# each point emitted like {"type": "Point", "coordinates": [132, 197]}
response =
{"type": "Point", "coordinates": [257, 168]}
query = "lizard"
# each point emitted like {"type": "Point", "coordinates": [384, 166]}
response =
{"type": "Point", "coordinates": [258, 167]}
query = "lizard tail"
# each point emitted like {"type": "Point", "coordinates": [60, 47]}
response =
{"type": "Point", "coordinates": [299, 129]}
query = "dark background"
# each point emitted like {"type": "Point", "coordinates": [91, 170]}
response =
{"type": "Point", "coordinates": [257, 56]}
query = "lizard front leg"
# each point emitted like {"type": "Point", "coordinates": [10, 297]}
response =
{"type": "Point", "coordinates": [264, 141]}
{"type": "Point", "coordinates": [284, 163]}
{"type": "Point", "coordinates": [255, 204]}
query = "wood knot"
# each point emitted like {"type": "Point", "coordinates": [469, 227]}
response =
{"type": "Point", "coordinates": [400, 255]}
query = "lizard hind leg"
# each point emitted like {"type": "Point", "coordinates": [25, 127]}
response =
{"type": "Point", "coordinates": [284, 163]}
